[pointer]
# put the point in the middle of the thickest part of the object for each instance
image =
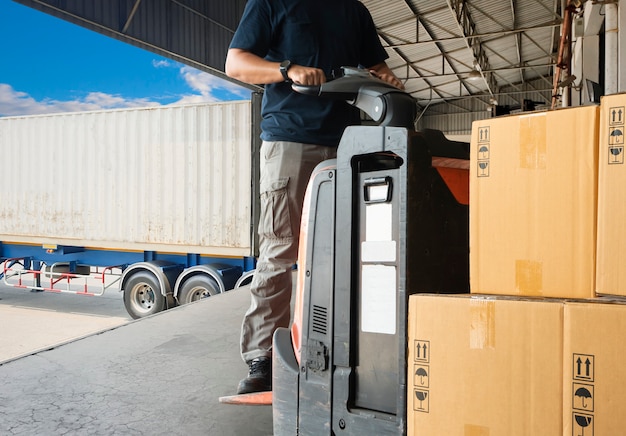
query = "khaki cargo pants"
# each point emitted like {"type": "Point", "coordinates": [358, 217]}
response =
{"type": "Point", "coordinates": [285, 169]}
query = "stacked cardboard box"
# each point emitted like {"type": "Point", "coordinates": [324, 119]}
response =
{"type": "Point", "coordinates": [611, 274]}
{"type": "Point", "coordinates": [484, 367]}
{"type": "Point", "coordinates": [594, 374]}
{"type": "Point", "coordinates": [533, 184]}
{"type": "Point", "coordinates": [533, 349]}
{"type": "Point", "coordinates": [494, 365]}
{"type": "Point", "coordinates": [546, 196]}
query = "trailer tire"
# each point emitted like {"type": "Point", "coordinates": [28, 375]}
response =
{"type": "Point", "coordinates": [197, 287]}
{"type": "Point", "coordinates": [142, 295]}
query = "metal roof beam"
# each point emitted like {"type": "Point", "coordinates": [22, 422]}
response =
{"type": "Point", "coordinates": [511, 68]}
{"type": "Point", "coordinates": [444, 54]}
{"type": "Point", "coordinates": [468, 30]}
{"type": "Point", "coordinates": [486, 96]}
{"type": "Point", "coordinates": [407, 61]}
{"type": "Point", "coordinates": [499, 33]}
{"type": "Point", "coordinates": [129, 20]}
{"type": "Point", "coordinates": [518, 38]}
{"type": "Point", "coordinates": [203, 16]}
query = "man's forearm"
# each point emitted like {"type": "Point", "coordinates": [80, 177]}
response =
{"type": "Point", "coordinates": [250, 68]}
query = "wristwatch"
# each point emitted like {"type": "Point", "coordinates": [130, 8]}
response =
{"type": "Point", "coordinates": [284, 67]}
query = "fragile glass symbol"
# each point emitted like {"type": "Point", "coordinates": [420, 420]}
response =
{"type": "Point", "coordinates": [483, 166]}
{"type": "Point", "coordinates": [583, 421]}
{"type": "Point", "coordinates": [421, 396]}
{"type": "Point", "coordinates": [616, 151]}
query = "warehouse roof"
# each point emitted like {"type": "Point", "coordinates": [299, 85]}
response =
{"type": "Point", "coordinates": [454, 55]}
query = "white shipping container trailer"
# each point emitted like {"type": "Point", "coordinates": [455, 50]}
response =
{"type": "Point", "coordinates": [154, 200]}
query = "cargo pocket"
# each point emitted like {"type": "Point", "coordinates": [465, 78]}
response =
{"type": "Point", "coordinates": [275, 220]}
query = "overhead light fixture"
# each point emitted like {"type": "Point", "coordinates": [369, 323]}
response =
{"type": "Point", "coordinates": [474, 75]}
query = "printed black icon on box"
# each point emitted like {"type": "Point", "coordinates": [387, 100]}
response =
{"type": "Point", "coordinates": [616, 135]}
{"type": "Point", "coordinates": [421, 400]}
{"type": "Point", "coordinates": [583, 397]}
{"type": "Point", "coordinates": [583, 367]}
{"type": "Point", "coordinates": [616, 155]}
{"type": "Point", "coordinates": [616, 115]}
{"type": "Point", "coordinates": [484, 134]}
{"type": "Point", "coordinates": [582, 425]}
{"type": "Point", "coordinates": [483, 168]}
{"type": "Point", "coordinates": [421, 375]}
{"type": "Point", "coordinates": [422, 351]}
{"type": "Point", "coordinates": [483, 152]}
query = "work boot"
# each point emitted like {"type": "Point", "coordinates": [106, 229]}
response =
{"type": "Point", "coordinates": [259, 377]}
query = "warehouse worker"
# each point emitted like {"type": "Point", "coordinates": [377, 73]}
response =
{"type": "Point", "coordinates": [304, 42]}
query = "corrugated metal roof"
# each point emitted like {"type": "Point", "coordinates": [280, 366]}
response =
{"type": "Point", "coordinates": [195, 32]}
{"type": "Point", "coordinates": [438, 43]}
{"type": "Point", "coordinates": [433, 45]}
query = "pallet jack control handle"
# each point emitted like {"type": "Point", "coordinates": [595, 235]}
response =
{"type": "Point", "coordinates": [383, 102]}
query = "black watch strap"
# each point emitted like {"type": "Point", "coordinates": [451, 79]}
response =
{"type": "Point", "coordinates": [284, 67]}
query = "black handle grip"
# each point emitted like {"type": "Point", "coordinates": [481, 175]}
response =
{"type": "Point", "coordinates": [306, 89]}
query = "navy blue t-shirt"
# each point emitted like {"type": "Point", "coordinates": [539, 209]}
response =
{"type": "Point", "coordinates": [326, 34]}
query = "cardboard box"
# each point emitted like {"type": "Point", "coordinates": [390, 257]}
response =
{"type": "Point", "coordinates": [611, 275]}
{"type": "Point", "coordinates": [484, 366]}
{"type": "Point", "coordinates": [533, 183]}
{"type": "Point", "coordinates": [594, 393]}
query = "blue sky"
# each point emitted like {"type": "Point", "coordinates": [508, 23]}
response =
{"type": "Point", "coordinates": [49, 65]}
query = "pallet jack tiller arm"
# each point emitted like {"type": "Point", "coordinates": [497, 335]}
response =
{"type": "Point", "coordinates": [383, 102]}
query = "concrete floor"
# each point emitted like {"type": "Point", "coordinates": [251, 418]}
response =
{"type": "Point", "coordinates": [160, 375]}
{"type": "Point", "coordinates": [32, 321]}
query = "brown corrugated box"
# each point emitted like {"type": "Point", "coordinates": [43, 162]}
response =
{"type": "Point", "coordinates": [481, 366]}
{"type": "Point", "coordinates": [594, 393]}
{"type": "Point", "coordinates": [495, 365]}
{"type": "Point", "coordinates": [611, 274]}
{"type": "Point", "coordinates": [533, 187]}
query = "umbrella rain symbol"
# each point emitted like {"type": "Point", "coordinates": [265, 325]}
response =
{"type": "Point", "coordinates": [421, 373]}
{"type": "Point", "coordinates": [583, 393]}
{"type": "Point", "coordinates": [617, 136]}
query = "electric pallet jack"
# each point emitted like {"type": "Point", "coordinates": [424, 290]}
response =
{"type": "Point", "coordinates": [387, 218]}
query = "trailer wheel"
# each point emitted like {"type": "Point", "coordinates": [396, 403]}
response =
{"type": "Point", "coordinates": [142, 295]}
{"type": "Point", "coordinates": [197, 287]}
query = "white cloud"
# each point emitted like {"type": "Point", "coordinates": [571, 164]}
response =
{"type": "Point", "coordinates": [108, 101]}
{"type": "Point", "coordinates": [204, 87]}
{"type": "Point", "coordinates": [161, 63]}
{"type": "Point", "coordinates": [14, 102]}
{"type": "Point", "coordinates": [208, 87]}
